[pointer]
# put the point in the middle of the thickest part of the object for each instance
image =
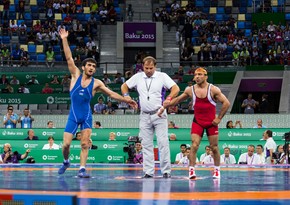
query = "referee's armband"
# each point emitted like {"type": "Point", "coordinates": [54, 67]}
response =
{"type": "Point", "coordinates": [126, 94]}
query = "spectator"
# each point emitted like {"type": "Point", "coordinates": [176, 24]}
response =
{"type": "Point", "coordinates": [100, 107]}
{"type": "Point", "coordinates": [269, 147]}
{"type": "Point", "coordinates": [249, 105]}
{"type": "Point", "coordinates": [51, 144]}
{"type": "Point", "coordinates": [24, 57]}
{"type": "Point", "coordinates": [207, 150]}
{"type": "Point", "coordinates": [260, 153]}
{"type": "Point", "coordinates": [55, 80]}
{"type": "Point", "coordinates": [112, 136]}
{"type": "Point", "coordinates": [8, 89]}
{"type": "Point", "coordinates": [50, 124]}
{"type": "Point", "coordinates": [91, 146]}
{"type": "Point", "coordinates": [5, 56]}
{"type": "Point", "coordinates": [259, 124]}
{"type": "Point", "coordinates": [77, 136]}
{"type": "Point", "coordinates": [209, 159]}
{"type": "Point", "coordinates": [23, 89]}
{"type": "Point", "coordinates": [47, 89]}
{"type": "Point", "coordinates": [31, 135]}
{"type": "Point", "coordinates": [16, 56]}
{"type": "Point", "coordinates": [227, 157]}
{"type": "Point", "coordinates": [26, 120]}
{"type": "Point", "coordinates": [112, 15]}
{"type": "Point", "coordinates": [10, 118]}
{"type": "Point", "coordinates": [119, 78]}
{"type": "Point", "coordinates": [65, 83]}
{"type": "Point", "coordinates": [106, 79]}
{"type": "Point", "coordinates": [171, 124]}
{"type": "Point", "coordinates": [33, 81]}
{"type": "Point", "coordinates": [110, 110]}
{"type": "Point", "coordinates": [230, 124]}
{"type": "Point", "coordinates": [264, 105]}
{"type": "Point", "coordinates": [12, 157]}
{"type": "Point", "coordinates": [97, 125]}
{"type": "Point", "coordinates": [138, 155]}
{"type": "Point", "coordinates": [103, 14]}
{"type": "Point", "coordinates": [249, 157]}
{"type": "Point", "coordinates": [172, 137]}
{"type": "Point", "coordinates": [185, 160]}
{"type": "Point", "coordinates": [14, 81]}
{"type": "Point", "coordinates": [130, 13]}
{"type": "Point", "coordinates": [50, 57]}
{"type": "Point", "coordinates": [180, 154]}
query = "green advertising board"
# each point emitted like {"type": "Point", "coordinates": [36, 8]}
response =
{"type": "Point", "coordinates": [112, 151]}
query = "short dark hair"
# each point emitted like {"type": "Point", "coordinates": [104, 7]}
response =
{"type": "Point", "coordinates": [91, 60]}
{"type": "Point", "coordinates": [50, 137]}
{"type": "Point", "coordinates": [269, 133]}
{"type": "Point", "coordinates": [183, 145]}
{"type": "Point", "coordinates": [98, 123]}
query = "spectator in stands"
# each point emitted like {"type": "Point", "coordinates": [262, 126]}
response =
{"type": "Point", "coordinates": [94, 53]}
{"type": "Point", "coordinates": [14, 81]}
{"type": "Point", "coordinates": [264, 104]}
{"type": "Point", "coordinates": [260, 153]}
{"type": "Point", "coordinates": [179, 156]}
{"type": "Point", "coordinates": [207, 152]}
{"type": "Point", "coordinates": [65, 83]}
{"type": "Point", "coordinates": [31, 135]}
{"type": "Point", "coordinates": [79, 54]}
{"type": "Point", "coordinates": [244, 57]}
{"type": "Point", "coordinates": [91, 146]}
{"type": "Point", "coordinates": [227, 157]}
{"type": "Point", "coordinates": [77, 136]}
{"type": "Point", "coordinates": [249, 157]}
{"type": "Point", "coordinates": [13, 28]}
{"type": "Point", "coordinates": [209, 159]}
{"type": "Point", "coordinates": [5, 56]}
{"type": "Point", "coordinates": [50, 57]}
{"type": "Point", "coordinates": [26, 120]}
{"type": "Point", "coordinates": [94, 7]}
{"type": "Point", "coordinates": [110, 110]}
{"type": "Point", "coordinates": [49, 14]}
{"type": "Point", "coordinates": [236, 57]}
{"type": "Point", "coordinates": [78, 28]}
{"type": "Point", "coordinates": [138, 155]}
{"type": "Point", "coordinates": [282, 156]}
{"type": "Point", "coordinates": [230, 124]}
{"type": "Point", "coordinates": [64, 7]}
{"type": "Point", "coordinates": [259, 124]}
{"type": "Point", "coordinates": [100, 107]}
{"type": "Point", "coordinates": [8, 88]}
{"type": "Point", "coordinates": [119, 78]}
{"type": "Point", "coordinates": [12, 157]}
{"type": "Point", "coordinates": [36, 27]}
{"type": "Point", "coordinates": [249, 105]}
{"type": "Point", "coordinates": [156, 15]}
{"type": "Point", "coordinates": [23, 89]}
{"type": "Point", "coordinates": [16, 56]}
{"type": "Point", "coordinates": [171, 124]}
{"type": "Point", "coordinates": [112, 15]}
{"type": "Point", "coordinates": [112, 136]}
{"type": "Point", "coordinates": [46, 39]}
{"type": "Point", "coordinates": [106, 79]}
{"type": "Point", "coordinates": [285, 57]}
{"type": "Point", "coordinates": [186, 57]}
{"type": "Point", "coordinates": [97, 125]}
{"type": "Point", "coordinates": [256, 56]}
{"type": "Point", "coordinates": [269, 147]}
{"type": "Point", "coordinates": [51, 144]}
{"type": "Point", "coordinates": [137, 67]}
{"type": "Point", "coordinates": [10, 118]}
{"type": "Point", "coordinates": [92, 26]}
{"type": "Point", "coordinates": [130, 12]}
{"type": "Point", "coordinates": [4, 80]}
{"type": "Point", "coordinates": [90, 44]}
{"type": "Point", "coordinates": [39, 37]}
{"type": "Point", "coordinates": [47, 89]}
{"type": "Point", "coordinates": [50, 124]}
{"type": "Point", "coordinates": [271, 57]}
{"type": "Point", "coordinates": [24, 57]}
{"type": "Point", "coordinates": [103, 15]}
{"type": "Point", "coordinates": [56, 6]}
{"type": "Point", "coordinates": [172, 137]}
{"type": "Point", "coordinates": [55, 80]}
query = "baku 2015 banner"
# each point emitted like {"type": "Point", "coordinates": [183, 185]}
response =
{"type": "Point", "coordinates": [140, 32]}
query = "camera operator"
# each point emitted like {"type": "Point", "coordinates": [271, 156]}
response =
{"type": "Point", "coordinates": [12, 157]}
{"type": "Point", "coordinates": [134, 150]}
{"type": "Point", "coordinates": [279, 155]}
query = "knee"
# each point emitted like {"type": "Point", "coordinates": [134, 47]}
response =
{"type": "Point", "coordinates": [65, 145]}
{"type": "Point", "coordinates": [194, 146]}
{"type": "Point", "coordinates": [214, 148]}
{"type": "Point", "coordinates": [84, 145]}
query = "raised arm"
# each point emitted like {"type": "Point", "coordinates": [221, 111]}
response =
{"type": "Point", "coordinates": [75, 72]}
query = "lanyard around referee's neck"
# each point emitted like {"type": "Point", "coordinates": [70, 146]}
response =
{"type": "Point", "coordinates": [148, 87]}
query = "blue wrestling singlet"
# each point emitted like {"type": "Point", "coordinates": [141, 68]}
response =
{"type": "Point", "coordinates": [80, 110]}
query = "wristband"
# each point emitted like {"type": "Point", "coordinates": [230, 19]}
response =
{"type": "Point", "coordinates": [126, 94]}
{"type": "Point", "coordinates": [169, 98]}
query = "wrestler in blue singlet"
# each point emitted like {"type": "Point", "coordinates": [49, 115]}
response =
{"type": "Point", "coordinates": [80, 110]}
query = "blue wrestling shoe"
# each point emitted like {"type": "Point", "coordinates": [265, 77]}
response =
{"type": "Point", "coordinates": [63, 167]}
{"type": "Point", "coordinates": [83, 174]}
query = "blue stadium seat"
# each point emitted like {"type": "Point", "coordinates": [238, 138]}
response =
{"type": "Point", "coordinates": [33, 57]}
{"type": "Point", "coordinates": [193, 41]}
{"type": "Point", "coordinates": [27, 16]}
{"type": "Point", "coordinates": [29, 23]}
{"type": "Point", "coordinates": [199, 3]}
{"type": "Point", "coordinates": [22, 39]}
{"type": "Point", "coordinates": [12, 8]}
{"type": "Point", "coordinates": [12, 15]}
{"type": "Point", "coordinates": [241, 25]}
{"type": "Point", "coordinates": [221, 10]}
{"type": "Point", "coordinates": [31, 48]}
{"type": "Point", "coordinates": [195, 33]}
{"type": "Point", "coordinates": [248, 17]}
{"type": "Point", "coordinates": [287, 16]}
{"type": "Point", "coordinates": [6, 39]}
{"type": "Point", "coordinates": [20, 21]}
{"type": "Point", "coordinates": [58, 58]}
{"type": "Point", "coordinates": [219, 17]}
{"type": "Point", "coordinates": [72, 47]}
{"type": "Point", "coordinates": [248, 24]}
{"type": "Point", "coordinates": [250, 3]}
{"type": "Point", "coordinates": [116, 3]}
{"type": "Point", "coordinates": [243, 10]}
{"type": "Point", "coordinates": [34, 9]}
{"type": "Point", "coordinates": [81, 17]}
{"type": "Point", "coordinates": [205, 10]}
{"type": "Point", "coordinates": [41, 57]}
{"type": "Point", "coordinates": [247, 32]}
{"type": "Point", "coordinates": [56, 48]}
{"type": "Point", "coordinates": [206, 3]}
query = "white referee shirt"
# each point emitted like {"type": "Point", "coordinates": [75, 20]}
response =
{"type": "Point", "coordinates": [250, 160]}
{"type": "Point", "coordinates": [229, 160]}
{"type": "Point", "coordinates": [150, 89]}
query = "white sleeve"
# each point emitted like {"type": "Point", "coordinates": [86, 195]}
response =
{"type": "Point", "coordinates": [1, 160]}
{"type": "Point", "coordinates": [132, 82]}
{"type": "Point", "coordinates": [168, 82]}
{"type": "Point", "coordinates": [242, 158]}
{"type": "Point", "coordinates": [233, 159]}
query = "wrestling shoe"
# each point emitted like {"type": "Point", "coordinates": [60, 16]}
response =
{"type": "Point", "coordinates": [191, 173]}
{"type": "Point", "coordinates": [166, 175]}
{"type": "Point", "coordinates": [147, 176]}
{"type": "Point", "coordinates": [83, 174]}
{"type": "Point", "coordinates": [64, 166]}
{"type": "Point", "coordinates": [216, 174]}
